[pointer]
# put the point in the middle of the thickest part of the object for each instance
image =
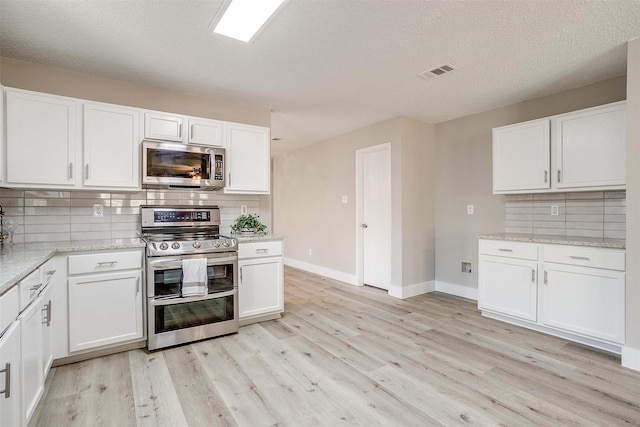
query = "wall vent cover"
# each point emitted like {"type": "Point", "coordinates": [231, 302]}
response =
{"type": "Point", "coordinates": [439, 71]}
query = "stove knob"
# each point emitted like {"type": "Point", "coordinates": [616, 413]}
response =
{"type": "Point", "coordinates": [196, 244]}
{"type": "Point", "coordinates": [164, 246]}
{"type": "Point", "coordinates": [175, 245]}
{"type": "Point", "coordinates": [216, 244]}
{"type": "Point", "coordinates": [226, 244]}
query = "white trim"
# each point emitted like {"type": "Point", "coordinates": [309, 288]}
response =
{"type": "Point", "coordinates": [360, 214]}
{"type": "Point", "coordinates": [631, 358]}
{"type": "Point", "coordinates": [412, 290]}
{"type": "Point", "coordinates": [322, 271]}
{"type": "Point", "coordinates": [457, 290]}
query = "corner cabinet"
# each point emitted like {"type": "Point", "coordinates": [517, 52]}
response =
{"type": "Point", "coordinates": [261, 281]}
{"type": "Point", "coordinates": [578, 151]}
{"type": "Point", "coordinates": [41, 135]}
{"type": "Point", "coordinates": [574, 292]}
{"type": "Point", "coordinates": [111, 136]}
{"type": "Point", "coordinates": [248, 159]}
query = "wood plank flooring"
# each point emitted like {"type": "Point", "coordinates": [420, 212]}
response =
{"type": "Point", "coordinates": [344, 355]}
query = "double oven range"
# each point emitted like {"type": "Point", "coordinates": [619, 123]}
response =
{"type": "Point", "coordinates": [175, 233]}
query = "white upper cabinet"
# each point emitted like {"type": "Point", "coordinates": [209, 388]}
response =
{"type": "Point", "coordinates": [578, 151]}
{"type": "Point", "coordinates": [163, 126]}
{"type": "Point", "coordinates": [591, 147]}
{"type": "Point", "coordinates": [111, 140]}
{"type": "Point", "coordinates": [206, 132]}
{"type": "Point", "coordinates": [521, 156]}
{"type": "Point", "coordinates": [248, 159]}
{"type": "Point", "coordinates": [40, 140]}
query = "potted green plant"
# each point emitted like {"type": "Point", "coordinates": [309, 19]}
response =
{"type": "Point", "coordinates": [248, 224]}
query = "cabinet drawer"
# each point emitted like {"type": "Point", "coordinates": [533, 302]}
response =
{"type": "Point", "coordinates": [9, 307]}
{"type": "Point", "coordinates": [509, 249]}
{"type": "Point", "coordinates": [97, 263]}
{"type": "Point", "coordinates": [29, 287]}
{"type": "Point", "coordinates": [259, 249]}
{"type": "Point", "coordinates": [609, 259]}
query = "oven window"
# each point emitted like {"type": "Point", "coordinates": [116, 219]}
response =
{"type": "Point", "coordinates": [166, 283]}
{"type": "Point", "coordinates": [189, 314]}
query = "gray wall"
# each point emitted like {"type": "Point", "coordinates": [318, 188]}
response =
{"type": "Point", "coordinates": [464, 176]}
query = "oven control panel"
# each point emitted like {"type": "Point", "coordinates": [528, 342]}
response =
{"type": "Point", "coordinates": [185, 247]}
{"type": "Point", "coordinates": [174, 216]}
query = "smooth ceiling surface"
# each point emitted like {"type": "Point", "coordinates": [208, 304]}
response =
{"type": "Point", "coordinates": [325, 67]}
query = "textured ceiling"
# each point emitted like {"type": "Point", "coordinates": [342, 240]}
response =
{"type": "Point", "coordinates": [325, 67]}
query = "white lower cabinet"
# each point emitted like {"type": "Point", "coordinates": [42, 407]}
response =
{"type": "Point", "coordinates": [10, 411]}
{"type": "Point", "coordinates": [31, 378]}
{"type": "Point", "coordinates": [587, 301]}
{"type": "Point", "coordinates": [571, 291]}
{"type": "Point", "coordinates": [261, 281]}
{"type": "Point", "coordinates": [105, 309]}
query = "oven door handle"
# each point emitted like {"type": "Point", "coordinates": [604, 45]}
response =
{"type": "Point", "coordinates": [173, 301]}
{"type": "Point", "coordinates": [177, 262]}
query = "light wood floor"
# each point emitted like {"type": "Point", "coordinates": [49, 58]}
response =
{"type": "Point", "coordinates": [344, 355]}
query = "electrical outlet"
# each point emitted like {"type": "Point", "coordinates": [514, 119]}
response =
{"type": "Point", "coordinates": [310, 251]}
{"type": "Point", "coordinates": [554, 210]}
{"type": "Point", "coordinates": [243, 210]}
{"type": "Point", "coordinates": [469, 209]}
{"type": "Point", "coordinates": [98, 210]}
{"type": "Point", "coordinates": [345, 199]}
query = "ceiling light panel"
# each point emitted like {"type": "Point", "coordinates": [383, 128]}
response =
{"type": "Point", "coordinates": [243, 18]}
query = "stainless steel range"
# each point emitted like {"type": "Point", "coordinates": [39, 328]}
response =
{"type": "Point", "coordinates": [175, 235]}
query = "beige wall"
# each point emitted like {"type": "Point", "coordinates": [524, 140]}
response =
{"type": "Point", "coordinates": [464, 176]}
{"type": "Point", "coordinates": [633, 207]}
{"type": "Point", "coordinates": [58, 81]}
{"type": "Point", "coordinates": [309, 184]}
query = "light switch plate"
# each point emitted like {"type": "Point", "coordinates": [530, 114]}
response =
{"type": "Point", "coordinates": [345, 199]}
{"type": "Point", "coordinates": [554, 210]}
{"type": "Point", "coordinates": [469, 209]}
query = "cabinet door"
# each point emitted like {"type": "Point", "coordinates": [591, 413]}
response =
{"type": "Point", "coordinates": [591, 148]}
{"type": "Point", "coordinates": [41, 140]}
{"type": "Point", "coordinates": [586, 301]}
{"type": "Point", "coordinates": [260, 289]}
{"type": "Point", "coordinates": [31, 358]}
{"type": "Point", "coordinates": [508, 286]}
{"type": "Point", "coordinates": [10, 377]}
{"type": "Point", "coordinates": [2, 163]}
{"type": "Point", "coordinates": [248, 159]}
{"type": "Point", "coordinates": [163, 126]}
{"type": "Point", "coordinates": [111, 138]}
{"type": "Point", "coordinates": [521, 157]}
{"type": "Point", "coordinates": [104, 309]}
{"type": "Point", "coordinates": [47, 329]}
{"type": "Point", "coordinates": [206, 132]}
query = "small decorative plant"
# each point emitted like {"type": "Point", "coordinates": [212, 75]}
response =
{"type": "Point", "coordinates": [248, 223]}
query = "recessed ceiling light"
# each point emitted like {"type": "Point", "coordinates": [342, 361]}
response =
{"type": "Point", "coordinates": [242, 19]}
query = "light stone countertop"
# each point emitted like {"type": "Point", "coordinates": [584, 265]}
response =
{"type": "Point", "coordinates": [257, 237]}
{"type": "Point", "coordinates": [18, 260]}
{"type": "Point", "coordinates": [558, 240]}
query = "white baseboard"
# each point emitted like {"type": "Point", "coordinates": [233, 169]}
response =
{"type": "Point", "coordinates": [322, 271]}
{"type": "Point", "coordinates": [457, 290]}
{"type": "Point", "coordinates": [631, 358]}
{"type": "Point", "coordinates": [412, 290]}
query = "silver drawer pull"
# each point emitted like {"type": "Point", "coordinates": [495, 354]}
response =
{"type": "Point", "coordinates": [581, 258]}
{"type": "Point", "coordinates": [505, 250]}
{"type": "Point", "coordinates": [7, 381]}
{"type": "Point", "coordinates": [262, 251]}
{"type": "Point", "coordinates": [533, 275]}
{"type": "Point", "coordinates": [51, 272]}
{"type": "Point", "coordinates": [100, 264]}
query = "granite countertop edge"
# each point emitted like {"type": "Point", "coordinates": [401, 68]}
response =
{"type": "Point", "coordinates": [257, 238]}
{"type": "Point", "coordinates": [558, 240]}
{"type": "Point", "coordinates": [19, 260]}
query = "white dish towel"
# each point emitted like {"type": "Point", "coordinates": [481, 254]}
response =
{"type": "Point", "coordinates": [194, 277]}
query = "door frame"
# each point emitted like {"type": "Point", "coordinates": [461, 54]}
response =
{"type": "Point", "coordinates": [386, 147]}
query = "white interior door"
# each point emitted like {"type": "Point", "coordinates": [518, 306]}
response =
{"type": "Point", "coordinates": [375, 214]}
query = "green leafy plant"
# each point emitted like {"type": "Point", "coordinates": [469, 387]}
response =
{"type": "Point", "coordinates": [248, 221]}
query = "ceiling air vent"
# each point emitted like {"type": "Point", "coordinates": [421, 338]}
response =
{"type": "Point", "coordinates": [437, 72]}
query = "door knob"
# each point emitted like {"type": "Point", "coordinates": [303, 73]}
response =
{"type": "Point", "coordinates": [364, 225]}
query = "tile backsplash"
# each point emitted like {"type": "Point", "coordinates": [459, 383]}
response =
{"type": "Point", "coordinates": [599, 214]}
{"type": "Point", "coordinates": [52, 216]}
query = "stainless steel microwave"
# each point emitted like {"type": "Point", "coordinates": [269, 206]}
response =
{"type": "Point", "coordinates": [176, 165]}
